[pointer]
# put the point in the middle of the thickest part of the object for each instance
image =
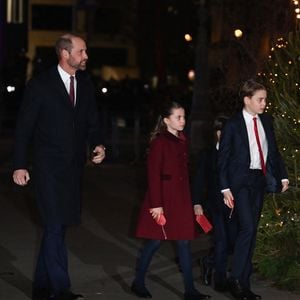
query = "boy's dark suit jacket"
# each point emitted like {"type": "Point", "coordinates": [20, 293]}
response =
{"type": "Point", "coordinates": [60, 133]}
{"type": "Point", "coordinates": [234, 153]}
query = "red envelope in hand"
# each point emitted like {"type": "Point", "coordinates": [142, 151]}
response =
{"type": "Point", "coordinates": [161, 220]}
{"type": "Point", "coordinates": [204, 223]}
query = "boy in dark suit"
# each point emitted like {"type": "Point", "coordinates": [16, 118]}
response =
{"type": "Point", "coordinates": [247, 153]}
{"type": "Point", "coordinates": [59, 113]}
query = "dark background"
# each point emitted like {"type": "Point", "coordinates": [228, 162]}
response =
{"type": "Point", "coordinates": [142, 42]}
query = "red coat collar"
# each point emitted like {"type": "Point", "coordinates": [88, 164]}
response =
{"type": "Point", "coordinates": [181, 136]}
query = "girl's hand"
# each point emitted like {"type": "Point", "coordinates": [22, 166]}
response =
{"type": "Point", "coordinates": [198, 210]}
{"type": "Point", "coordinates": [156, 211]}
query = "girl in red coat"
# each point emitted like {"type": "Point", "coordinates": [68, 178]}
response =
{"type": "Point", "coordinates": [167, 199]}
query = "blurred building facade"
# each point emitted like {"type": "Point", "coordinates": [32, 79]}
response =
{"type": "Point", "coordinates": [145, 38]}
{"type": "Point", "coordinates": [108, 27]}
{"type": "Point", "coordinates": [143, 52]}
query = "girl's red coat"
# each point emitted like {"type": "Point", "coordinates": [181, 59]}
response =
{"type": "Point", "coordinates": [168, 187]}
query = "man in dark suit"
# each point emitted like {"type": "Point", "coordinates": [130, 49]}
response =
{"type": "Point", "coordinates": [59, 113]}
{"type": "Point", "coordinates": [247, 150]}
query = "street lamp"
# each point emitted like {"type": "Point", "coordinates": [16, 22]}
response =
{"type": "Point", "coordinates": [238, 33]}
{"type": "Point", "coordinates": [191, 75]}
{"type": "Point", "coordinates": [188, 37]}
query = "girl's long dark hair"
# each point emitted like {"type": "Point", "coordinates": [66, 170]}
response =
{"type": "Point", "coordinates": [166, 111]}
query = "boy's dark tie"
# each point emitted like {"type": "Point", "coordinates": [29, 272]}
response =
{"type": "Point", "coordinates": [261, 156]}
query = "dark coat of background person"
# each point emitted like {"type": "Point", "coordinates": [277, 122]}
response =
{"type": "Point", "coordinates": [234, 166]}
{"type": "Point", "coordinates": [205, 189]}
{"type": "Point", "coordinates": [60, 134]}
{"type": "Point", "coordinates": [169, 188]}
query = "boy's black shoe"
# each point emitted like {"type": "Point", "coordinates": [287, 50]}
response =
{"type": "Point", "coordinates": [195, 296]}
{"type": "Point", "coordinates": [237, 291]}
{"type": "Point", "coordinates": [253, 296]}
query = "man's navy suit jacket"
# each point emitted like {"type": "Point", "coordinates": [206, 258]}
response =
{"type": "Point", "coordinates": [234, 153]}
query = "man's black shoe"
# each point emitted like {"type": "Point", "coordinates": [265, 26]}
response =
{"type": "Point", "coordinates": [236, 290]}
{"type": "Point", "coordinates": [252, 296]}
{"type": "Point", "coordinates": [40, 294]}
{"type": "Point", "coordinates": [76, 296]}
{"type": "Point", "coordinates": [68, 295]}
{"type": "Point", "coordinates": [140, 291]}
{"type": "Point", "coordinates": [206, 271]}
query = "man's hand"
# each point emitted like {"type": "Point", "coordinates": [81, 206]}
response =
{"type": "Point", "coordinates": [228, 199]}
{"type": "Point", "coordinates": [198, 210]}
{"type": "Point", "coordinates": [285, 185]}
{"type": "Point", "coordinates": [21, 177]}
{"type": "Point", "coordinates": [99, 154]}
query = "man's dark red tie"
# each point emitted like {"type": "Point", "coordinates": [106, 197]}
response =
{"type": "Point", "coordinates": [261, 155]}
{"type": "Point", "coordinates": [72, 90]}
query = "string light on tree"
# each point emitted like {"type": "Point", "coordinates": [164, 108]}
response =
{"type": "Point", "coordinates": [297, 13]}
{"type": "Point", "coordinates": [280, 222]}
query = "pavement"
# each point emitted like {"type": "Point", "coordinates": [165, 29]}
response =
{"type": "Point", "coordinates": [103, 250]}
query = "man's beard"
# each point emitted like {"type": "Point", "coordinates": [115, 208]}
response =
{"type": "Point", "coordinates": [80, 66]}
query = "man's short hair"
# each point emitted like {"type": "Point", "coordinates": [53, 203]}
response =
{"type": "Point", "coordinates": [64, 42]}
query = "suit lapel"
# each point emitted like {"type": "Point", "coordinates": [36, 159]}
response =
{"type": "Point", "coordinates": [268, 132]}
{"type": "Point", "coordinates": [243, 129]}
{"type": "Point", "coordinates": [81, 90]}
{"type": "Point", "coordinates": [265, 126]}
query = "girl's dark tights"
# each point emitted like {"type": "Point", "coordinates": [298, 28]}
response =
{"type": "Point", "coordinates": [184, 254]}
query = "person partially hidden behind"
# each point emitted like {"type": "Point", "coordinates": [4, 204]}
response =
{"type": "Point", "coordinates": [59, 113]}
{"type": "Point", "coordinates": [248, 152]}
{"type": "Point", "coordinates": [206, 195]}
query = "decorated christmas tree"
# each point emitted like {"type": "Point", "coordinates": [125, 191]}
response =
{"type": "Point", "coordinates": [278, 241]}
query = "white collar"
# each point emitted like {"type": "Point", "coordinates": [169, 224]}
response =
{"type": "Point", "coordinates": [63, 74]}
{"type": "Point", "coordinates": [248, 117]}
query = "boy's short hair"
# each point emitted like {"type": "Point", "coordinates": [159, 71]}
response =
{"type": "Point", "coordinates": [249, 88]}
